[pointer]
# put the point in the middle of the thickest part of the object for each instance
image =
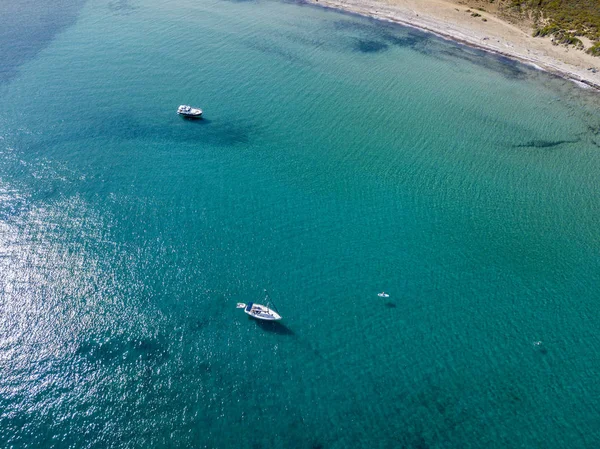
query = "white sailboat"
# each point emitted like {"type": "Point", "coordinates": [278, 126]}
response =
{"type": "Point", "coordinates": [259, 311]}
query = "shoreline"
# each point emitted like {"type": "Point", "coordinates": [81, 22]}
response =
{"type": "Point", "coordinates": [447, 19]}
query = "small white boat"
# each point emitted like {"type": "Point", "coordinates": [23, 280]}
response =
{"type": "Point", "coordinates": [189, 112]}
{"type": "Point", "coordinates": [259, 311]}
{"type": "Point", "coordinates": [383, 295]}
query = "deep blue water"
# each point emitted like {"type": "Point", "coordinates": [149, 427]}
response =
{"type": "Point", "coordinates": [338, 157]}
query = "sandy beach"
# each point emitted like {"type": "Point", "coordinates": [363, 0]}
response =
{"type": "Point", "coordinates": [454, 20]}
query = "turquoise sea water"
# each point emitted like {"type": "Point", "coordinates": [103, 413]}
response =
{"type": "Point", "coordinates": [339, 157]}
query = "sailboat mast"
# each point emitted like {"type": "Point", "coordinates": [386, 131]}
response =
{"type": "Point", "coordinates": [269, 303]}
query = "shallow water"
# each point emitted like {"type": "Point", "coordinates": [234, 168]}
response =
{"type": "Point", "coordinates": [339, 157]}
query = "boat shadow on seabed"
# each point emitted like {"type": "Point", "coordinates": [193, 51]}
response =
{"type": "Point", "coordinates": [274, 327]}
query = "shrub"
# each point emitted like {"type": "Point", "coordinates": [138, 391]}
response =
{"type": "Point", "coordinates": [594, 50]}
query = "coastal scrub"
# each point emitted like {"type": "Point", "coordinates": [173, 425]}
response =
{"type": "Point", "coordinates": [566, 21]}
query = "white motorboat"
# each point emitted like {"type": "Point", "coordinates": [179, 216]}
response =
{"type": "Point", "coordinates": [383, 295]}
{"type": "Point", "coordinates": [187, 111]}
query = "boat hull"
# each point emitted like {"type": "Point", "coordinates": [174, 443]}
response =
{"type": "Point", "coordinates": [264, 318]}
{"type": "Point", "coordinates": [190, 115]}
{"type": "Point", "coordinates": [260, 312]}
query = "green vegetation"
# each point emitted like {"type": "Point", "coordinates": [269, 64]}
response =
{"type": "Point", "coordinates": [564, 20]}
{"type": "Point", "coordinates": [594, 50]}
